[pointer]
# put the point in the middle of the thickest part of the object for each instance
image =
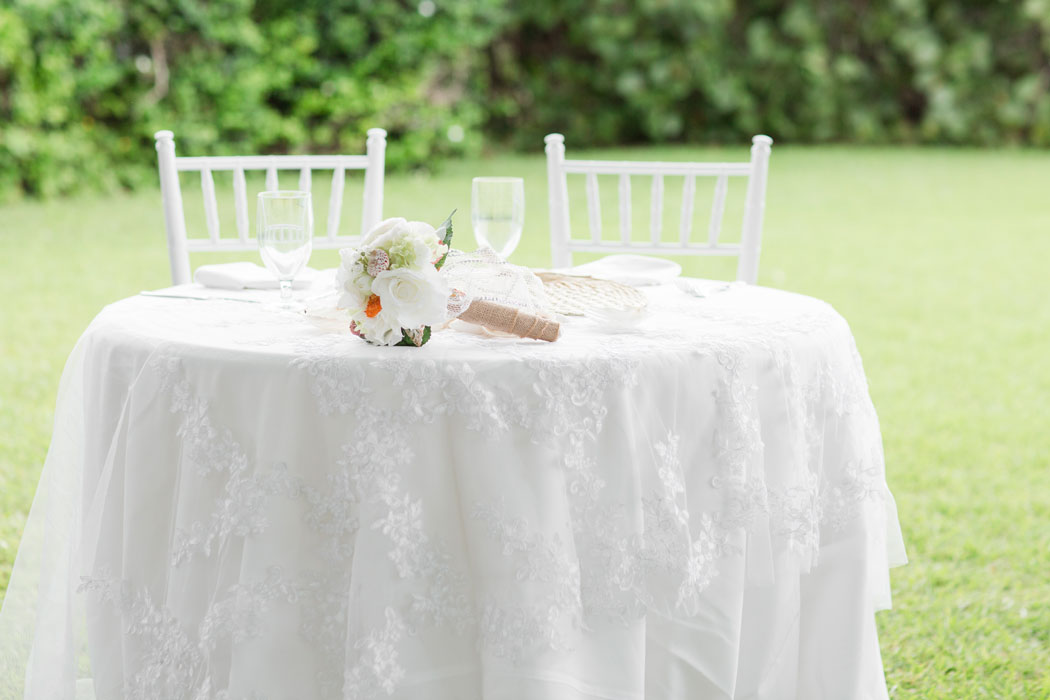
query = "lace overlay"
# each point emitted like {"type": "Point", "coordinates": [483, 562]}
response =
{"type": "Point", "coordinates": [339, 505]}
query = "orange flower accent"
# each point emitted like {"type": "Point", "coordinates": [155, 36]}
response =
{"type": "Point", "coordinates": [373, 307]}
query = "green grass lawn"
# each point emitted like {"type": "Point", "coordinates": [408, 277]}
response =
{"type": "Point", "coordinates": [939, 259]}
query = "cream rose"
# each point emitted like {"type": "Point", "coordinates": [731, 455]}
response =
{"type": "Point", "coordinates": [381, 230]}
{"type": "Point", "coordinates": [414, 297]}
{"type": "Point", "coordinates": [432, 237]}
{"type": "Point", "coordinates": [352, 280]}
{"type": "Point", "coordinates": [382, 329]}
{"type": "Point", "coordinates": [422, 230]}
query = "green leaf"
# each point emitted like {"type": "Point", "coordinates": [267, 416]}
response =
{"type": "Point", "coordinates": [447, 225]}
{"type": "Point", "coordinates": [447, 239]}
{"type": "Point", "coordinates": [407, 341]}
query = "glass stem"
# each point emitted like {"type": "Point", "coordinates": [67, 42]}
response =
{"type": "Point", "coordinates": [286, 290]}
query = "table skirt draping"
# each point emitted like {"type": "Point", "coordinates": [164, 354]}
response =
{"type": "Point", "coordinates": [238, 503]}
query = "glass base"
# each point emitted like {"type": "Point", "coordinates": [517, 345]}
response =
{"type": "Point", "coordinates": [287, 302]}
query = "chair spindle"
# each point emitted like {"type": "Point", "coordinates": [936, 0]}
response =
{"type": "Point", "coordinates": [685, 224]}
{"type": "Point", "coordinates": [594, 210]}
{"type": "Point", "coordinates": [656, 209]}
{"type": "Point", "coordinates": [718, 209]}
{"type": "Point", "coordinates": [211, 214]}
{"type": "Point", "coordinates": [240, 202]}
{"type": "Point", "coordinates": [625, 208]}
{"type": "Point", "coordinates": [335, 202]}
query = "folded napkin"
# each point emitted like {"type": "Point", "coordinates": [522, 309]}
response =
{"type": "Point", "coordinates": [632, 270]}
{"type": "Point", "coordinates": [247, 275]}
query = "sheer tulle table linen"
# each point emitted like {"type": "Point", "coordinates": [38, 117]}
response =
{"type": "Point", "coordinates": [239, 503]}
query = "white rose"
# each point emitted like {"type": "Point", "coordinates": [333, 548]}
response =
{"type": "Point", "coordinates": [350, 300]}
{"type": "Point", "coordinates": [352, 280]}
{"type": "Point", "coordinates": [422, 230]}
{"type": "Point", "coordinates": [348, 256]}
{"type": "Point", "coordinates": [351, 296]}
{"type": "Point", "coordinates": [432, 237]}
{"type": "Point", "coordinates": [415, 297]}
{"type": "Point", "coordinates": [383, 228]}
{"type": "Point", "coordinates": [362, 281]}
{"type": "Point", "coordinates": [383, 328]}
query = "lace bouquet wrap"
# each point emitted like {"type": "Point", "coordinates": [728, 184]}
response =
{"type": "Point", "coordinates": [504, 298]}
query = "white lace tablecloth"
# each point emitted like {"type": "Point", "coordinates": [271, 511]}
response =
{"type": "Point", "coordinates": [239, 503]}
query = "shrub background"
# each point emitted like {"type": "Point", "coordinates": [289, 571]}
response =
{"type": "Point", "coordinates": [85, 83]}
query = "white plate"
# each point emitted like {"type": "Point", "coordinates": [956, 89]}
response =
{"type": "Point", "coordinates": [632, 270]}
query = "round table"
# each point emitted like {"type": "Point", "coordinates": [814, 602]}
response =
{"type": "Point", "coordinates": [241, 502]}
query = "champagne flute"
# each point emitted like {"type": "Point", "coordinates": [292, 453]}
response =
{"type": "Point", "coordinates": [498, 212]}
{"type": "Point", "coordinates": [285, 225]}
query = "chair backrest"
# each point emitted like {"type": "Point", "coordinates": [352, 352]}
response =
{"type": "Point", "coordinates": [179, 246]}
{"type": "Point", "coordinates": [563, 244]}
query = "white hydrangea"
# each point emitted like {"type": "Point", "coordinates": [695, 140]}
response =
{"type": "Point", "coordinates": [410, 251]}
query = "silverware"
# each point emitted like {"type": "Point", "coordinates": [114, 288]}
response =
{"type": "Point", "coordinates": [197, 297]}
{"type": "Point", "coordinates": [690, 287]}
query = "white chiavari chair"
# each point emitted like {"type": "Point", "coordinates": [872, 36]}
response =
{"type": "Point", "coordinates": [563, 244]}
{"type": "Point", "coordinates": [180, 246]}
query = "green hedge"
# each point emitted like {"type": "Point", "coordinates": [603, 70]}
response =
{"type": "Point", "coordinates": [614, 71]}
{"type": "Point", "coordinates": [85, 83]}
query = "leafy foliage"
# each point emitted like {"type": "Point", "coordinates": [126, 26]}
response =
{"type": "Point", "coordinates": [407, 340]}
{"type": "Point", "coordinates": [85, 83]}
{"type": "Point", "coordinates": [617, 71]}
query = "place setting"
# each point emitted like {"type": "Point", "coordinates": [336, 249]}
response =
{"type": "Point", "coordinates": [402, 261]}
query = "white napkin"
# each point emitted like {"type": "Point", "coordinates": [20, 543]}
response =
{"type": "Point", "coordinates": [632, 270]}
{"type": "Point", "coordinates": [247, 275]}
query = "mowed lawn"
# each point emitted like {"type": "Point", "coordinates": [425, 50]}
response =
{"type": "Point", "coordinates": [939, 259]}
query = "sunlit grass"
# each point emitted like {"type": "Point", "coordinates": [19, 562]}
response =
{"type": "Point", "coordinates": [940, 260]}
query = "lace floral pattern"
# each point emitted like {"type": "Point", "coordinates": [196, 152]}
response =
{"type": "Point", "coordinates": [175, 656]}
{"type": "Point", "coordinates": [510, 629]}
{"type": "Point", "coordinates": [377, 669]}
{"type": "Point", "coordinates": [635, 519]}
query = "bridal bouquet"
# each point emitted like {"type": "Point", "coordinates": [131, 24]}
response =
{"type": "Point", "coordinates": [392, 289]}
{"type": "Point", "coordinates": [390, 284]}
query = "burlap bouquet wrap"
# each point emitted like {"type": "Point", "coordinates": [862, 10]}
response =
{"type": "Point", "coordinates": [501, 297]}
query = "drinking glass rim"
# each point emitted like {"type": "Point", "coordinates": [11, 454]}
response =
{"type": "Point", "coordinates": [283, 194]}
{"type": "Point", "coordinates": [498, 179]}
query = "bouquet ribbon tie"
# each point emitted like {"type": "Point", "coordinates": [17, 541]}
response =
{"type": "Point", "coordinates": [510, 319]}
